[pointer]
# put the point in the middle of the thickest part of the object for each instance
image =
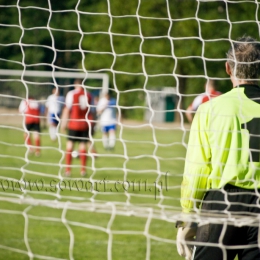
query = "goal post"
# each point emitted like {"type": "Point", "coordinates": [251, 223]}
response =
{"type": "Point", "coordinates": [47, 80]}
{"type": "Point", "coordinates": [104, 77]}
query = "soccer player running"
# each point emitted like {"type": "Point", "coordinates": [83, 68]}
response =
{"type": "Point", "coordinates": [77, 105]}
{"type": "Point", "coordinates": [222, 166]}
{"type": "Point", "coordinates": [30, 108]}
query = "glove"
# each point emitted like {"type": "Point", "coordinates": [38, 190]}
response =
{"type": "Point", "coordinates": [184, 234]}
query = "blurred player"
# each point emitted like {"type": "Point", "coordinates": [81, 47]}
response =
{"type": "Point", "coordinates": [30, 108]}
{"type": "Point", "coordinates": [107, 112]}
{"type": "Point", "coordinates": [92, 116]}
{"type": "Point", "coordinates": [54, 106]}
{"type": "Point", "coordinates": [210, 93]}
{"type": "Point", "coordinates": [76, 111]}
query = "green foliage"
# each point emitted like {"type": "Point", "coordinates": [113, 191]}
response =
{"type": "Point", "coordinates": [141, 44]}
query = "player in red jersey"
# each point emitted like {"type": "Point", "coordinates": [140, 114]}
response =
{"type": "Point", "coordinates": [30, 109]}
{"type": "Point", "coordinates": [75, 114]}
{"type": "Point", "coordinates": [210, 93]}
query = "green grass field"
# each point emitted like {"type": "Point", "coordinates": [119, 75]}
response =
{"type": "Point", "coordinates": [116, 212]}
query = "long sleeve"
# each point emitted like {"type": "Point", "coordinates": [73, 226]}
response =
{"type": "Point", "coordinates": [197, 163]}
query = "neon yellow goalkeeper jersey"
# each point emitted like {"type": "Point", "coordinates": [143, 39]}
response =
{"type": "Point", "coordinates": [223, 145]}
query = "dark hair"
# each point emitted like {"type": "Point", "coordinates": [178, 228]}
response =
{"type": "Point", "coordinates": [78, 81]}
{"type": "Point", "coordinates": [243, 58]}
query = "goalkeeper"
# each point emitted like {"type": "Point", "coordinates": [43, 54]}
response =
{"type": "Point", "coordinates": [222, 170]}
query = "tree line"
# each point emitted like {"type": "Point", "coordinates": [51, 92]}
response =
{"type": "Point", "coordinates": [142, 44]}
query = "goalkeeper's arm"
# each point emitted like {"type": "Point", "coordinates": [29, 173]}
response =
{"type": "Point", "coordinates": [195, 181]}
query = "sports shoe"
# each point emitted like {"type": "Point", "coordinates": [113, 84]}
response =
{"type": "Point", "coordinates": [67, 174]}
{"type": "Point", "coordinates": [94, 153]}
{"type": "Point", "coordinates": [83, 173]}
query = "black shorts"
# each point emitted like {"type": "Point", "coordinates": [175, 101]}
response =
{"type": "Point", "coordinates": [225, 240]}
{"type": "Point", "coordinates": [78, 136]}
{"type": "Point", "coordinates": [33, 127]}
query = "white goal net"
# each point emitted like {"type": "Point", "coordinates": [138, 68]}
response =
{"type": "Point", "coordinates": [154, 57]}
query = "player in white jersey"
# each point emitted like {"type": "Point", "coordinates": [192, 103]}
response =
{"type": "Point", "coordinates": [106, 109]}
{"type": "Point", "coordinates": [54, 105]}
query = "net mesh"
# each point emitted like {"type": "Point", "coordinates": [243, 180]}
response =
{"type": "Point", "coordinates": [155, 57]}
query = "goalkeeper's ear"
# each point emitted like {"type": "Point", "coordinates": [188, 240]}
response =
{"type": "Point", "coordinates": [228, 69]}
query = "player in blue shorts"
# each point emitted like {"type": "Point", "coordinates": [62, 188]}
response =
{"type": "Point", "coordinates": [54, 105]}
{"type": "Point", "coordinates": [106, 110]}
